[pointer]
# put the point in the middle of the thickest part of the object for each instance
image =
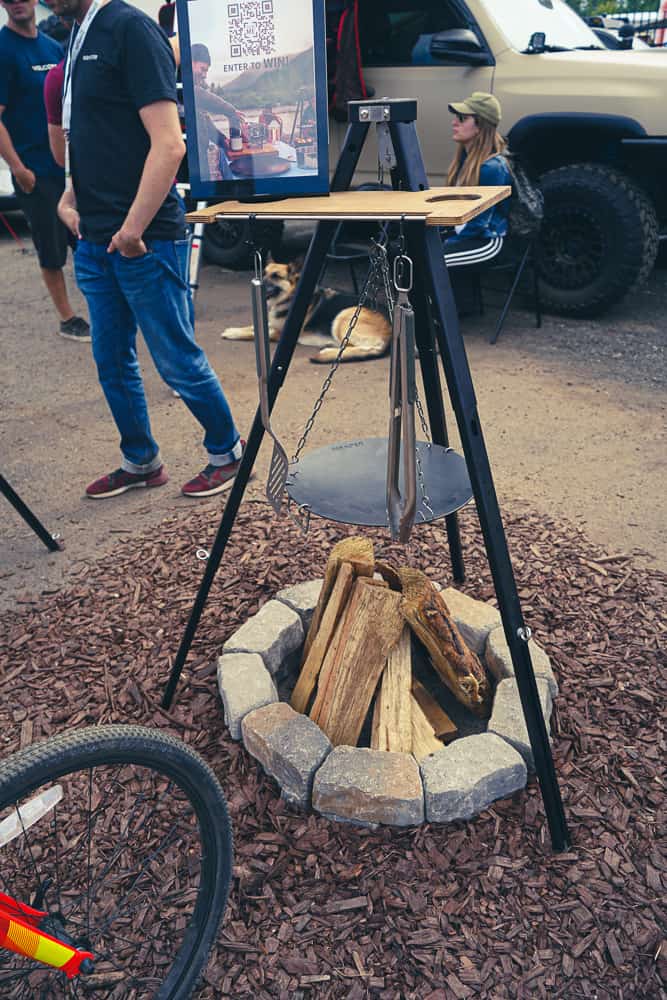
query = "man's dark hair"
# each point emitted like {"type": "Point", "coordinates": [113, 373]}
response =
{"type": "Point", "coordinates": [165, 17]}
{"type": "Point", "coordinates": [200, 53]}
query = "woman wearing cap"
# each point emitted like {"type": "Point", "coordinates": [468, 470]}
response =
{"type": "Point", "coordinates": [478, 161]}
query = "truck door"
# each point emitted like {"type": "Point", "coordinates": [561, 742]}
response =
{"type": "Point", "coordinates": [400, 60]}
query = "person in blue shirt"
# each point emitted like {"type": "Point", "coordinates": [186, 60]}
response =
{"type": "Point", "coordinates": [26, 56]}
{"type": "Point", "coordinates": [478, 160]}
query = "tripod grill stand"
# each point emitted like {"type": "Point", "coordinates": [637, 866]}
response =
{"type": "Point", "coordinates": [437, 331]}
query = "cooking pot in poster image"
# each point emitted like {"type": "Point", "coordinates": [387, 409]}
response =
{"type": "Point", "coordinates": [254, 89]}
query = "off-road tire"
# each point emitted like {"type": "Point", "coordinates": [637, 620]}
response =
{"type": "Point", "coordinates": [599, 238]}
{"type": "Point", "coordinates": [227, 243]}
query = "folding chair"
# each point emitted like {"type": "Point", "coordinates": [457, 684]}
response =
{"type": "Point", "coordinates": [515, 256]}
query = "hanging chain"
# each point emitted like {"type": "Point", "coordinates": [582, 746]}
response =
{"type": "Point", "coordinates": [369, 288]}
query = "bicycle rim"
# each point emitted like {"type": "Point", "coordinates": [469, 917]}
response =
{"type": "Point", "coordinates": [133, 863]}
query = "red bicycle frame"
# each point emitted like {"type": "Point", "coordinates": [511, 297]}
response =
{"type": "Point", "coordinates": [20, 932]}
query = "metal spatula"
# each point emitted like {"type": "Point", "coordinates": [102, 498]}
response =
{"type": "Point", "coordinates": [275, 484]}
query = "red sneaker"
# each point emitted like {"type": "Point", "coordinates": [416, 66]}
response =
{"type": "Point", "coordinates": [121, 481]}
{"type": "Point", "coordinates": [213, 479]}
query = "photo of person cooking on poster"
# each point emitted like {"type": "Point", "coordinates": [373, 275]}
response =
{"type": "Point", "coordinates": [252, 93]}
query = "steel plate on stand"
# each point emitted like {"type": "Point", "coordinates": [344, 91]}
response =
{"type": "Point", "coordinates": [347, 482]}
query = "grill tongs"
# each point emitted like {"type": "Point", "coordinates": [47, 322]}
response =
{"type": "Point", "coordinates": [402, 394]}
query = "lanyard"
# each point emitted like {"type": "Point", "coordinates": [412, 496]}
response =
{"type": "Point", "coordinates": [73, 50]}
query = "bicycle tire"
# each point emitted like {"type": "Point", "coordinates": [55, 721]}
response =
{"type": "Point", "coordinates": [112, 746]}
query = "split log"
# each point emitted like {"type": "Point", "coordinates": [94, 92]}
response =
{"type": "Point", "coordinates": [375, 627]}
{"type": "Point", "coordinates": [356, 550]}
{"type": "Point", "coordinates": [389, 572]}
{"type": "Point", "coordinates": [442, 725]}
{"type": "Point", "coordinates": [340, 592]}
{"type": "Point", "coordinates": [392, 715]}
{"type": "Point", "coordinates": [459, 668]}
{"type": "Point", "coordinates": [424, 740]}
{"type": "Point", "coordinates": [340, 638]}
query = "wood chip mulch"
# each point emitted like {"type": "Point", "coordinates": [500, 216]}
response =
{"type": "Point", "coordinates": [318, 909]}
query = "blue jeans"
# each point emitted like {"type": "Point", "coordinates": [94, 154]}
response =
{"type": "Point", "coordinates": [150, 292]}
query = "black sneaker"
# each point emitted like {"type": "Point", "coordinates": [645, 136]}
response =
{"type": "Point", "coordinates": [75, 328]}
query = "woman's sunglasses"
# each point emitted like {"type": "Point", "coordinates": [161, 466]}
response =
{"type": "Point", "coordinates": [461, 118]}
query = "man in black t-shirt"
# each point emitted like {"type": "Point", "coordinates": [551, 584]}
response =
{"type": "Point", "coordinates": [131, 260]}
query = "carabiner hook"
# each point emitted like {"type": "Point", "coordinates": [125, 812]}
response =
{"type": "Point", "coordinates": [403, 269]}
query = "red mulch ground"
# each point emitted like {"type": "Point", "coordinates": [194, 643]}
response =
{"type": "Point", "coordinates": [480, 909]}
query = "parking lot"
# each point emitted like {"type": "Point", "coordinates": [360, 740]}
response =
{"type": "Point", "coordinates": [573, 416]}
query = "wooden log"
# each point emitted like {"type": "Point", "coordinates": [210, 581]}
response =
{"type": "Point", "coordinates": [392, 730]}
{"type": "Point", "coordinates": [339, 639]}
{"type": "Point", "coordinates": [389, 572]}
{"type": "Point", "coordinates": [428, 615]}
{"type": "Point", "coordinates": [442, 725]}
{"type": "Point", "coordinates": [424, 739]}
{"type": "Point", "coordinates": [356, 550]}
{"type": "Point", "coordinates": [377, 737]}
{"type": "Point", "coordinates": [375, 627]}
{"type": "Point", "coordinates": [305, 685]}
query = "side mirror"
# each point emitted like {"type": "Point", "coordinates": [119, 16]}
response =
{"type": "Point", "coordinates": [458, 44]}
{"type": "Point", "coordinates": [537, 41]}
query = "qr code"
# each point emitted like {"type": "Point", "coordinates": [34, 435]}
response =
{"type": "Point", "coordinates": [252, 29]}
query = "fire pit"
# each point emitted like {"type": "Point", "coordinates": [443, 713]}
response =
{"type": "Point", "coordinates": [485, 758]}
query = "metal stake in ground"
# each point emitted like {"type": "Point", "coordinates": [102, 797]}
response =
{"type": "Point", "coordinates": [51, 541]}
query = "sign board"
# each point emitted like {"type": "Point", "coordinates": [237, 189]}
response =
{"type": "Point", "coordinates": [254, 88]}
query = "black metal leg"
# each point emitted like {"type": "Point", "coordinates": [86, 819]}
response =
{"type": "Point", "coordinates": [428, 361]}
{"type": "Point", "coordinates": [462, 396]}
{"type": "Point", "coordinates": [15, 500]}
{"type": "Point", "coordinates": [508, 300]}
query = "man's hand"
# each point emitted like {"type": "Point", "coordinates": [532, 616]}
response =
{"type": "Point", "coordinates": [127, 244]}
{"type": "Point", "coordinates": [68, 214]}
{"type": "Point", "coordinates": [26, 180]}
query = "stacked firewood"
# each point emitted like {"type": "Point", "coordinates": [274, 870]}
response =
{"type": "Point", "coordinates": [357, 656]}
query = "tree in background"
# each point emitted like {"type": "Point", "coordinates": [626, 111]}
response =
{"type": "Point", "coordinates": [586, 8]}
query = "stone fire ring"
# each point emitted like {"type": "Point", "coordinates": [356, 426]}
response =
{"type": "Point", "coordinates": [257, 671]}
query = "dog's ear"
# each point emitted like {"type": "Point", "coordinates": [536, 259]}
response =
{"type": "Point", "coordinates": [295, 266]}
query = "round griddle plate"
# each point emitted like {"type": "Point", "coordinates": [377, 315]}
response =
{"type": "Point", "coordinates": [347, 482]}
{"type": "Point", "coordinates": [259, 166]}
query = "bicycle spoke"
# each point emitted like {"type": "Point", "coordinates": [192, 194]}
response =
{"type": "Point", "coordinates": [118, 851]}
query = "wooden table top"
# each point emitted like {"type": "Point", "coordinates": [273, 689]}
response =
{"type": "Point", "coordinates": [441, 206]}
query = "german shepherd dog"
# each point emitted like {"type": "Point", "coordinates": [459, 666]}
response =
{"type": "Point", "coordinates": [329, 311]}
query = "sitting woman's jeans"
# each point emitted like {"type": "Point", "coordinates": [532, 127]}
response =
{"type": "Point", "coordinates": [150, 292]}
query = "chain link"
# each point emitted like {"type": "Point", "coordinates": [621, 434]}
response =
{"type": "Point", "coordinates": [372, 280]}
{"type": "Point", "coordinates": [379, 275]}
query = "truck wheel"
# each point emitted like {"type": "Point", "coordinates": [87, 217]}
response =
{"type": "Point", "coordinates": [599, 238]}
{"type": "Point", "coordinates": [227, 243]}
